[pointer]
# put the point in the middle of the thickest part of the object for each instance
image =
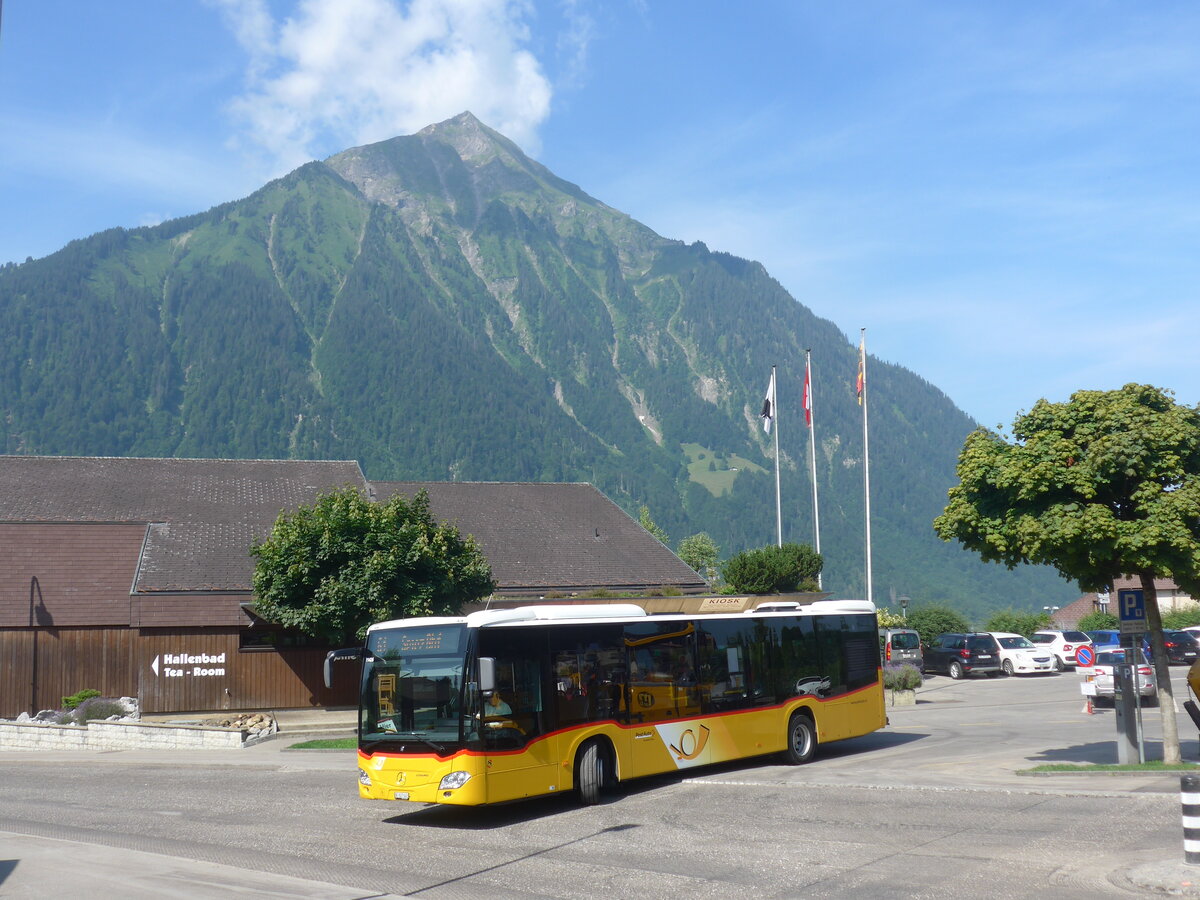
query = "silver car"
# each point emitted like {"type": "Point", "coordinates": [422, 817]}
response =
{"type": "Point", "coordinates": [1100, 674]}
{"type": "Point", "coordinates": [898, 646]}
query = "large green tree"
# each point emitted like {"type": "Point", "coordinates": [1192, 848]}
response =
{"type": "Point", "coordinates": [1103, 485]}
{"type": "Point", "coordinates": [333, 568]}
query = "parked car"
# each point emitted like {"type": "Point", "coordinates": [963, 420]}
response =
{"type": "Point", "coordinates": [1101, 675]}
{"type": "Point", "coordinates": [959, 655]}
{"type": "Point", "coordinates": [1104, 639]}
{"type": "Point", "coordinates": [1183, 648]}
{"type": "Point", "coordinates": [1062, 644]}
{"type": "Point", "coordinates": [898, 646]}
{"type": "Point", "coordinates": [1019, 656]}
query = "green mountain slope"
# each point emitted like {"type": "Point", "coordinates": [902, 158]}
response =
{"type": "Point", "coordinates": [439, 306]}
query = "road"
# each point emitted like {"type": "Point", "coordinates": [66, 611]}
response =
{"type": "Point", "coordinates": [933, 806]}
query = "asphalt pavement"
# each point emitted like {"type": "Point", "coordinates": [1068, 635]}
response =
{"type": "Point", "coordinates": [32, 865]}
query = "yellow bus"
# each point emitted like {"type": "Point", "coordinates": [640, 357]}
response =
{"type": "Point", "coordinates": [500, 705]}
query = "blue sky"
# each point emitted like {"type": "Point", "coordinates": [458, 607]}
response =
{"type": "Point", "coordinates": [1005, 195]}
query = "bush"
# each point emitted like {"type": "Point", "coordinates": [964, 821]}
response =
{"type": "Point", "coordinates": [1102, 621]}
{"type": "Point", "coordinates": [773, 570]}
{"type": "Point", "coordinates": [904, 677]}
{"type": "Point", "coordinates": [930, 621]}
{"type": "Point", "coordinates": [96, 707]}
{"type": "Point", "coordinates": [1175, 619]}
{"type": "Point", "coordinates": [1017, 621]}
{"type": "Point", "coordinates": [75, 699]}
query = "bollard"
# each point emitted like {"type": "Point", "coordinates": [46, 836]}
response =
{"type": "Point", "coordinates": [1189, 796]}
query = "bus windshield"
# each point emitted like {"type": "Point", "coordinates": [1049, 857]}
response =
{"type": "Point", "coordinates": [412, 687]}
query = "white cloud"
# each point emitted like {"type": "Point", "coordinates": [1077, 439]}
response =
{"type": "Point", "coordinates": [339, 73]}
{"type": "Point", "coordinates": [574, 42]}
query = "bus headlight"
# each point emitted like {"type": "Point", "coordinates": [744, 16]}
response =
{"type": "Point", "coordinates": [454, 780]}
{"type": "Point", "coordinates": [363, 778]}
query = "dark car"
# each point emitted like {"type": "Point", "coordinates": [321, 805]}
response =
{"type": "Point", "coordinates": [959, 655]}
{"type": "Point", "coordinates": [1182, 647]}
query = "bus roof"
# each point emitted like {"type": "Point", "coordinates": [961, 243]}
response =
{"type": "Point", "coordinates": [592, 612]}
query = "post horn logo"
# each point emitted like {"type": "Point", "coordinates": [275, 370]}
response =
{"type": "Point", "coordinates": [691, 745]}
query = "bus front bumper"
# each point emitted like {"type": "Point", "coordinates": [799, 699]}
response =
{"type": "Point", "coordinates": [451, 781]}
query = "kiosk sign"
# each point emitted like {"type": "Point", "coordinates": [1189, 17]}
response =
{"type": "Point", "coordinates": [1131, 609]}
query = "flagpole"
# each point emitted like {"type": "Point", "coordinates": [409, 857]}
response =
{"type": "Point", "coordinates": [862, 398]}
{"type": "Point", "coordinates": [778, 503]}
{"type": "Point", "coordinates": [812, 445]}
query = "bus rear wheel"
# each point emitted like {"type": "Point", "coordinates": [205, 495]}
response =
{"type": "Point", "coordinates": [593, 773]}
{"type": "Point", "coordinates": [801, 739]}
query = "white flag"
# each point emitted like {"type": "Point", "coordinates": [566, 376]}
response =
{"type": "Point", "coordinates": [768, 410]}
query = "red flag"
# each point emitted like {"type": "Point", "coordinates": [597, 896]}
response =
{"type": "Point", "coordinates": [807, 398]}
{"type": "Point", "coordinates": [862, 378]}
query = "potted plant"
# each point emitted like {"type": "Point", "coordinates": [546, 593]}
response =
{"type": "Point", "coordinates": [901, 683]}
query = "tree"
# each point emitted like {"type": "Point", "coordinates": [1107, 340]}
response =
{"type": "Point", "coordinates": [1106, 484]}
{"type": "Point", "coordinates": [701, 553]}
{"type": "Point", "coordinates": [648, 523]}
{"type": "Point", "coordinates": [934, 619]}
{"type": "Point", "coordinates": [333, 568]}
{"type": "Point", "coordinates": [772, 570]}
{"type": "Point", "coordinates": [1017, 621]}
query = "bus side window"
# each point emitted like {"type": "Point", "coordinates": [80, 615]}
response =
{"type": "Point", "coordinates": [724, 664]}
{"type": "Point", "coordinates": [588, 672]}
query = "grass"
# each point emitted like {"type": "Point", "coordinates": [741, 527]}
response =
{"type": "Point", "coordinates": [720, 480]}
{"type": "Point", "coordinates": [327, 744]}
{"type": "Point", "coordinates": [1155, 765]}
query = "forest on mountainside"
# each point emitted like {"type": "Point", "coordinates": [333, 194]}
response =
{"type": "Point", "coordinates": [441, 307]}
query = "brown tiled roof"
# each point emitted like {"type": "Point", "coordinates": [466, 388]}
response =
{"type": "Point", "coordinates": [203, 513]}
{"type": "Point", "coordinates": [68, 574]}
{"type": "Point", "coordinates": [1069, 615]}
{"type": "Point", "coordinates": [551, 536]}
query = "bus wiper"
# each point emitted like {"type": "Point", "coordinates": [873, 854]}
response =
{"type": "Point", "coordinates": [418, 736]}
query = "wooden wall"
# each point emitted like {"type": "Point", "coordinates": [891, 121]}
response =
{"type": "Point", "coordinates": [121, 662]}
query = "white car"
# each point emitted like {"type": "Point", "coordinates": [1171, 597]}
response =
{"type": "Point", "coordinates": [1019, 656]}
{"type": "Point", "coordinates": [1063, 644]}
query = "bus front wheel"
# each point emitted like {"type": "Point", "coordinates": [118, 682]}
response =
{"type": "Point", "coordinates": [590, 773]}
{"type": "Point", "coordinates": [802, 739]}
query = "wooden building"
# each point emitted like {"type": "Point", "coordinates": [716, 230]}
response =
{"type": "Point", "coordinates": [133, 576]}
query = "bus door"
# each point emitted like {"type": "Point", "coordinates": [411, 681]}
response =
{"type": "Point", "coordinates": [519, 760]}
{"type": "Point", "coordinates": [664, 697]}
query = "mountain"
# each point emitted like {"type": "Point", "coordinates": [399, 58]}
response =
{"type": "Point", "coordinates": [441, 307]}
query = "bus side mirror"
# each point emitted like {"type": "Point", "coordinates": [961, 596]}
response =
{"type": "Point", "coordinates": [347, 653]}
{"type": "Point", "coordinates": [487, 675]}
